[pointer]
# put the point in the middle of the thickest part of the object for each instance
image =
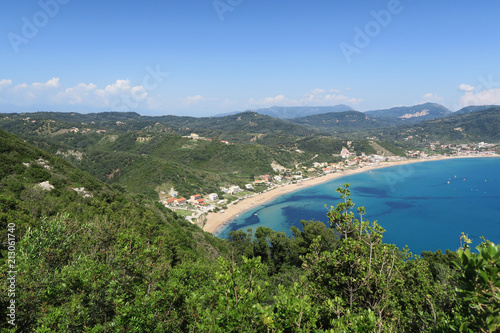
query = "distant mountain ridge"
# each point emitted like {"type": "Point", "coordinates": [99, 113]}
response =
{"type": "Point", "coordinates": [475, 108]}
{"type": "Point", "coordinates": [292, 112]}
{"type": "Point", "coordinates": [345, 122]}
{"type": "Point", "coordinates": [415, 113]}
{"type": "Point", "coordinates": [474, 126]}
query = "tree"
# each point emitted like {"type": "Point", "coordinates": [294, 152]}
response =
{"type": "Point", "coordinates": [479, 288]}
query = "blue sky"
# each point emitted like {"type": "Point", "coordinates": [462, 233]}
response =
{"type": "Point", "coordinates": [205, 57]}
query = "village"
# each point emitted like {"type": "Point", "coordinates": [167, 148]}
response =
{"type": "Point", "coordinates": [196, 206]}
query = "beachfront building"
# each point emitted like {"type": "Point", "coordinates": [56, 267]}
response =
{"type": "Point", "coordinates": [213, 197]}
{"type": "Point", "coordinates": [174, 202]}
{"type": "Point", "coordinates": [345, 152]}
{"type": "Point", "coordinates": [234, 189]}
{"type": "Point", "coordinates": [180, 201]}
{"type": "Point", "coordinates": [194, 198]}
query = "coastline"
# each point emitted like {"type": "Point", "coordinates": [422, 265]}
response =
{"type": "Point", "coordinates": [215, 221]}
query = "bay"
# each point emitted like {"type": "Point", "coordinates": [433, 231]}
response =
{"type": "Point", "coordinates": [425, 205]}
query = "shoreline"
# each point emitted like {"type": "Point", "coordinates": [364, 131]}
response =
{"type": "Point", "coordinates": [215, 221]}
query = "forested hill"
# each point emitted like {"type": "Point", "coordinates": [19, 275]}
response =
{"type": "Point", "coordinates": [86, 257]}
{"type": "Point", "coordinates": [459, 128]}
{"type": "Point", "coordinates": [83, 247]}
{"type": "Point", "coordinates": [293, 112]}
{"type": "Point", "coordinates": [193, 155]}
{"type": "Point", "coordinates": [475, 108]}
{"type": "Point", "coordinates": [241, 127]}
{"type": "Point", "coordinates": [413, 114]}
{"type": "Point", "coordinates": [36, 185]}
{"type": "Point", "coordinates": [345, 122]}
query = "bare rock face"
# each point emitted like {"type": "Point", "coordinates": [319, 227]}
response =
{"type": "Point", "coordinates": [276, 167]}
{"type": "Point", "coordinates": [46, 186]}
{"type": "Point", "coordinates": [416, 114]}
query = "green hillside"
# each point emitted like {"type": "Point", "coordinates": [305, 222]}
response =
{"type": "Point", "coordinates": [457, 128]}
{"type": "Point", "coordinates": [140, 155]}
{"type": "Point", "coordinates": [291, 112]}
{"type": "Point", "coordinates": [99, 259]}
{"type": "Point", "coordinates": [413, 114]}
{"type": "Point", "coordinates": [142, 162]}
{"type": "Point", "coordinates": [242, 127]}
{"type": "Point", "coordinates": [345, 122]}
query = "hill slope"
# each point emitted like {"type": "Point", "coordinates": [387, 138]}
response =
{"type": "Point", "coordinates": [242, 127]}
{"type": "Point", "coordinates": [345, 122]}
{"type": "Point", "coordinates": [475, 108]}
{"type": "Point", "coordinates": [81, 246]}
{"type": "Point", "coordinates": [413, 114]}
{"type": "Point", "coordinates": [460, 128]}
{"type": "Point", "coordinates": [291, 112]}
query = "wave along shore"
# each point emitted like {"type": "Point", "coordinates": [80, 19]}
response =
{"type": "Point", "coordinates": [217, 220]}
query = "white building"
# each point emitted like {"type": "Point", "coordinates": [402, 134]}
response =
{"type": "Point", "coordinates": [234, 189]}
{"type": "Point", "coordinates": [345, 152]}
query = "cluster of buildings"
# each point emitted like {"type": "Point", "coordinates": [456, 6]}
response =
{"type": "Point", "coordinates": [464, 149]}
{"type": "Point", "coordinates": [361, 161]}
{"type": "Point", "coordinates": [195, 136]}
{"type": "Point", "coordinates": [195, 201]}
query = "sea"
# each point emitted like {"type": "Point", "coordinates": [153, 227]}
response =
{"type": "Point", "coordinates": [425, 205]}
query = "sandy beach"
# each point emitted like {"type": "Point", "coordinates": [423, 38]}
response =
{"type": "Point", "coordinates": [216, 220]}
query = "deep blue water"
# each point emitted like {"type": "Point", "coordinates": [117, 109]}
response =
{"type": "Point", "coordinates": [423, 205]}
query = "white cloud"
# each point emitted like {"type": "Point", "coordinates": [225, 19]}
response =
{"type": "Point", "coordinates": [280, 100]}
{"type": "Point", "coordinates": [316, 97]}
{"type": "Point", "coordinates": [5, 83]}
{"type": "Point", "coordinates": [466, 87]}
{"type": "Point", "coordinates": [275, 100]}
{"type": "Point", "coordinates": [317, 91]}
{"type": "Point", "coordinates": [52, 83]}
{"type": "Point", "coordinates": [327, 99]}
{"type": "Point", "coordinates": [485, 97]}
{"type": "Point", "coordinates": [430, 97]}
{"type": "Point", "coordinates": [227, 103]}
{"type": "Point", "coordinates": [122, 95]}
{"type": "Point", "coordinates": [197, 100]}
{"type": "Point", "coordinates": [193, 99]}
{"type": "Point", "coordinates": [77, 94]}
{"type": "Point", "coordinates": [20, 87]}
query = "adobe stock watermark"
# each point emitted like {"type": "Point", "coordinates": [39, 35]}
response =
{"type": "Point", "coordinates": [11, 274]}
{"type": "Point", "coordinates": [223, 6]}
{"type": "Point", "coordinates": [373, 28]}
{"type": "Point", "coordinates": [486, 92]}
{"type": "Point", "coordinates": [402, 172]}
{"type": "Point", "coordinates": [31, 27]}
{"type": "Point", "coordinates": [150, 82]}
{"type": "Point", "coordinates": [487, 83]}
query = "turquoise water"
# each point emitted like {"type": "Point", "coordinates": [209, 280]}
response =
{"type": "Point", "coordinates": [423, 205]}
